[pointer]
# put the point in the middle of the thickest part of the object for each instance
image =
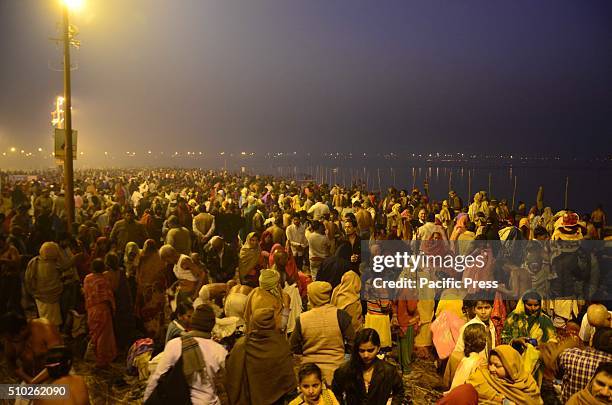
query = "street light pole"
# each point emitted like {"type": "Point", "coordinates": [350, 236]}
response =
{"type": "Point", "coordinates": [68, 167]}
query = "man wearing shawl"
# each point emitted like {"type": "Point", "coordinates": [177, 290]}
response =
{"type": "Point", "coordinates": [250, 379]}
{"type": "Point", "coordinates": [320, 334]}
{"type": "Point", "coordinates": [268, 295]}
{"type": "Point", "coordinates": [203, 360]}
{"type": "Point", "coordinates": [517, 386]}
{"type": "Point", "coordinates": [43, 282]}
{"type": "Point", "coordinates": [599, 390]}
{"type": "Point", "coordinates": [528, 321]}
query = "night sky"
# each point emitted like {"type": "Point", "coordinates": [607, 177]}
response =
{"type": "Point", "coordinates": [316, 75]}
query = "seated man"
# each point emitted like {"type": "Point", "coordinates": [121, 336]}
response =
{"type": "Point", "coordinates": [599, 390]}
{"type": "Point", "coordinates": [578, 365]}
{"type": "Point", "coordinates": [26, 344]}
{"type": "Point", "coordinates": [189, 275]}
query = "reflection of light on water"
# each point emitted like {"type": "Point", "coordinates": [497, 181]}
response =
{"type": "Point", "coordinates": [510, 173]}
{"type": "Point", "coordinates": [437, 173]}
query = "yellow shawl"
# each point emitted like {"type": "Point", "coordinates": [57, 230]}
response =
{"type": "Point", "coordinates": [347, 291]}
{"type": "Point", "coordinates": [519, 386]}
{"type": "Point", "coordinates": [249, 256]}
{"type": "Point", "coordinates": [584, 397]}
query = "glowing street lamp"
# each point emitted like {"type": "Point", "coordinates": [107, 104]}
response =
{"type": "Point", "coordinates": [73, 5]}
{"type": "Point", "coordinates": [57, 116]}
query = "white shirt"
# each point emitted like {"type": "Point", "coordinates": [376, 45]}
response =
{"type": "Point", "coordinates": [465, 369]}
{"type": "Point", "coordinates": [181, 273]}
{"type": "Point", "coordinates": [202, 392]}
{"type": "Point", "coordinates": [296, 235]}
{"type": "Point", "coordinates": [460, 346]}
{"type": "Point", "coordinates": [318, 210]}
{"type": "Point", "coordinates": [136, 197]}
{"type": "Point", "coordinates": [318, 245]}
{"type": "Point", "coordinates": [295, 308]}
{"type": "Point", "coordinates": [586, 330]}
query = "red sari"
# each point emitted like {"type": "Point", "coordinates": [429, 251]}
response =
{"type": "Point", "coordinates": [100, 303]}
{"type": "Point", "coordinates": [291, 269]}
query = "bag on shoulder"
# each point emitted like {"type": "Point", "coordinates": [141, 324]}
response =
{"type": "Point", "coordinates": [172, 387]}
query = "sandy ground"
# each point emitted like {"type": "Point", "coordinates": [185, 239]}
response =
{"type": "Point", "coordinates": [114, 386]}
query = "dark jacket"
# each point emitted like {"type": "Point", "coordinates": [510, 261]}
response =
{"type": "Point", "coordinates": [221, 271]}
{"type": "Point", "coordinates": [386, 382]}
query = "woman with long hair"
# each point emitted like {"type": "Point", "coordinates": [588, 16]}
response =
{"type": "Point", "coordinates": [366, 379]}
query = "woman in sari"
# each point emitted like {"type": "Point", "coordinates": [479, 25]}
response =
{"type": "Point", "coordinates": [124, 317]}
{"type": "Point", "coordinates": [266, 242]}
{"type": "Point", "coordinates": [150, 302]}
{"type": "Point", "coordinates": [250, 260]}
{"type": "Point", "coordinates": [346, 296]}
{"type": "Point", "coordinates": [505, 379]}
{"type": "Point", "coordinates": [460, 226]}
{"type": "Point", "coordinates": [100, 304]}
{"type": "Point", "coordinates": [528, 321]}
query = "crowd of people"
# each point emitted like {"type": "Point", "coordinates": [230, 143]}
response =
{"type": "Point", "coordinates": [226, 288]}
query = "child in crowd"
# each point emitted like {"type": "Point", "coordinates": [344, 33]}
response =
{"type": "Point", "coordinates": [475, 341]}
{"type": "Point", "coordinates": [312, 388]}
